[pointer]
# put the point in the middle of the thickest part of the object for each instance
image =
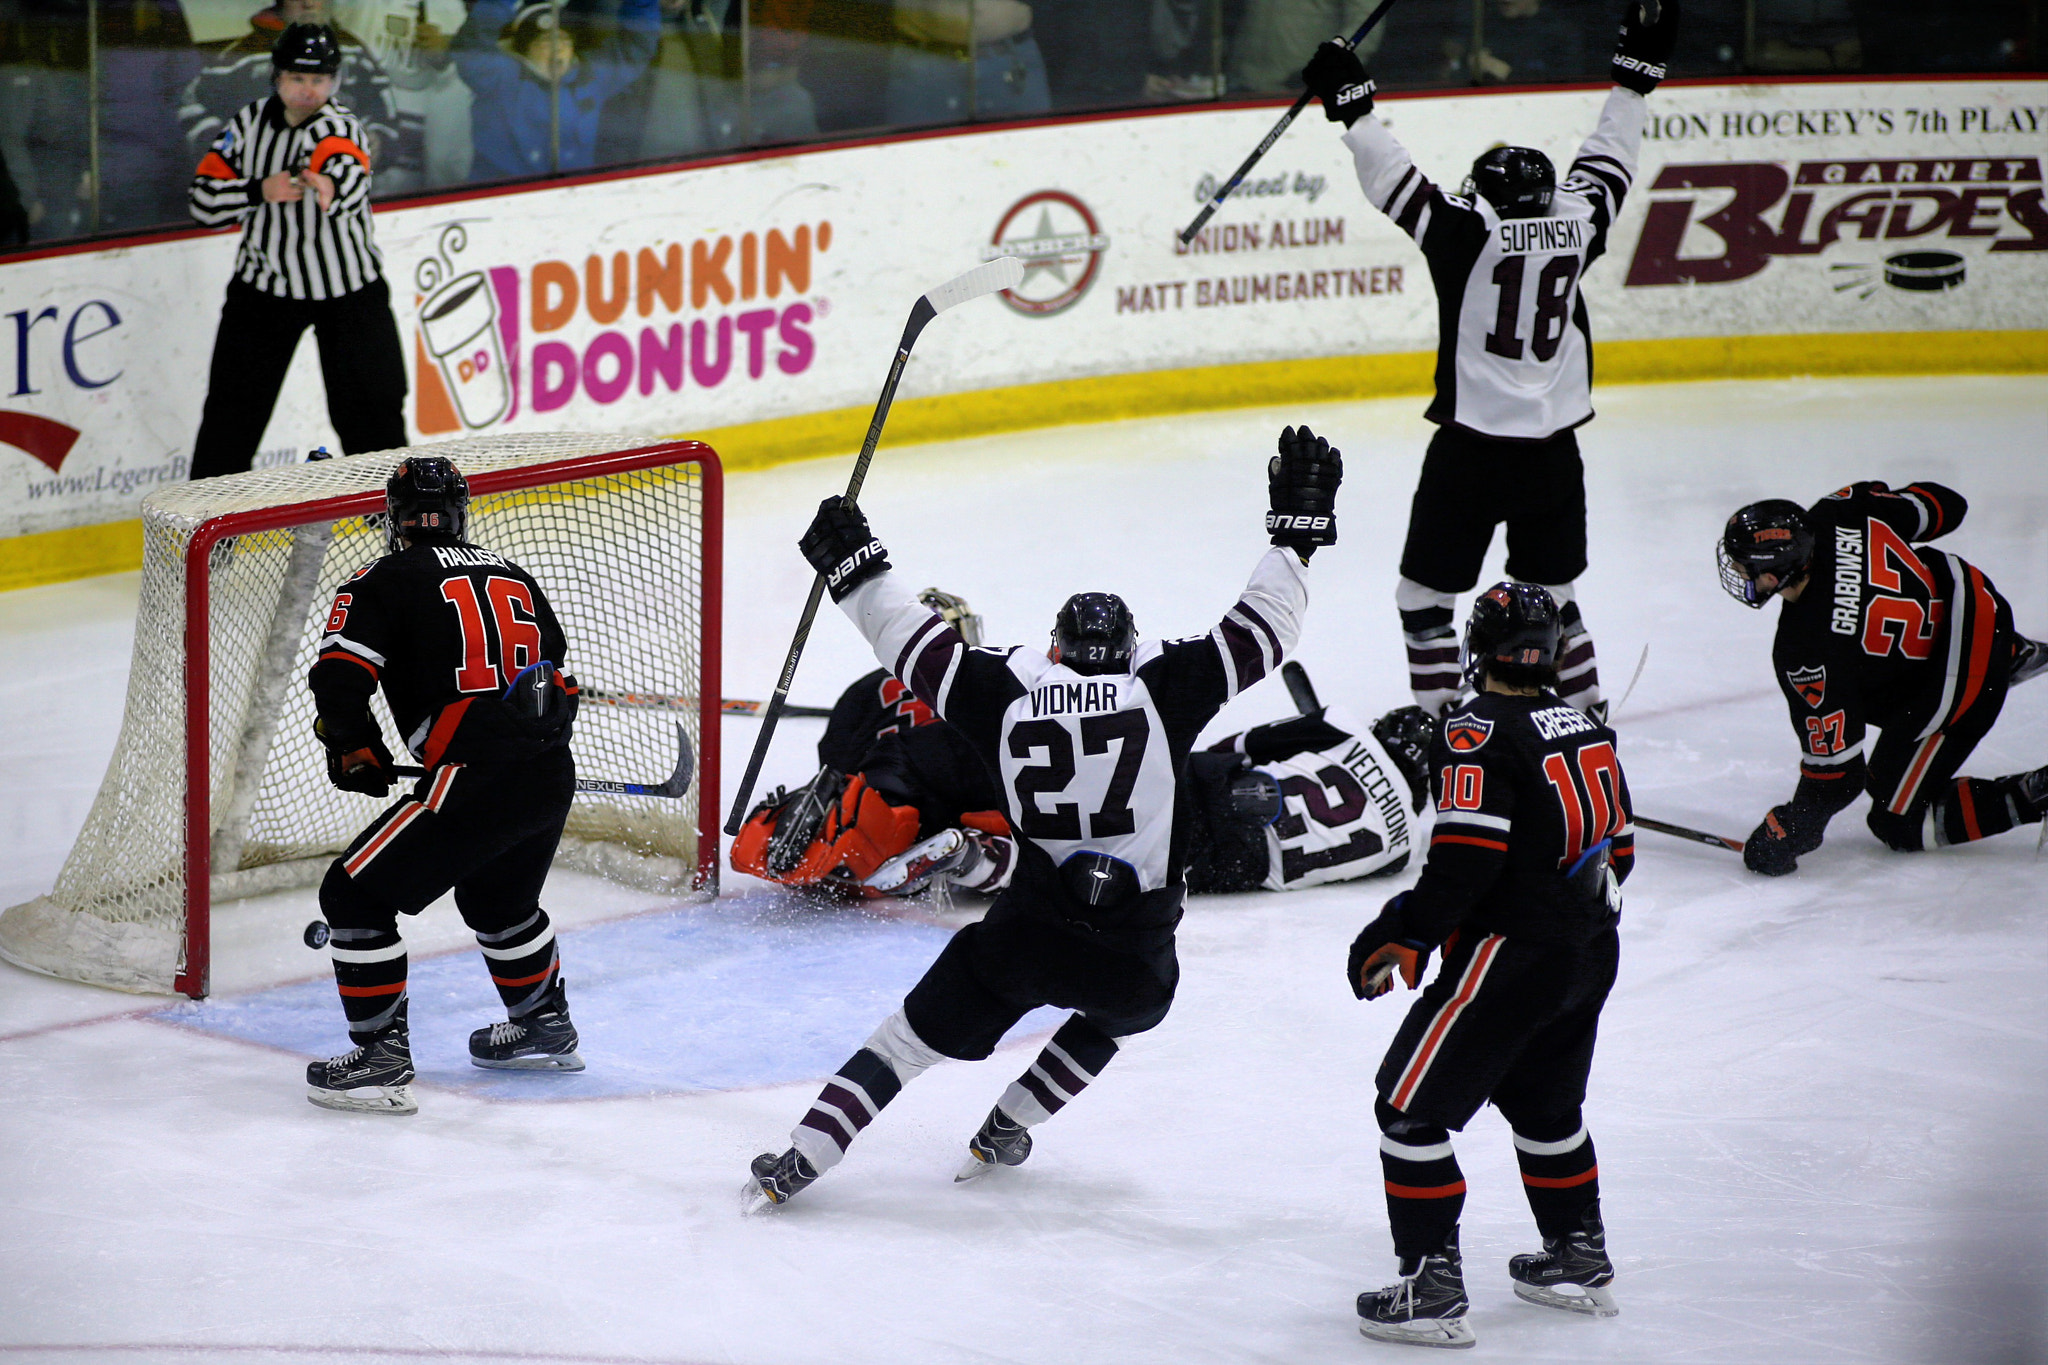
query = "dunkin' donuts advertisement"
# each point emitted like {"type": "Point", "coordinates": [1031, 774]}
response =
{"type": "Point", "coordinates": [683, 301]}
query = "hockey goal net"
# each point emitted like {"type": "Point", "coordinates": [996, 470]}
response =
{"type": "Point", "coordinates": [217, 787]}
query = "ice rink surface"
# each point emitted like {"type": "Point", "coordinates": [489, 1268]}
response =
{"type": "Point", "coordinates": [1821, 1102]}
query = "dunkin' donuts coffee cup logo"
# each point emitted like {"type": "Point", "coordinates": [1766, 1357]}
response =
{"type": "Point", "coordinates": [459, 323]}
{"type": "Point", "coordinates": [1717, 223]}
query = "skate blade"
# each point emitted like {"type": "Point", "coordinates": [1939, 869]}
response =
{"type": "Point", "coordinates": [1452, 1333]}
{"type": "Point", "coordinates": [973, 1169]}
{"type": "Point", "coordinates": [1594, 1303]}
{"type": "Point", "coordinates": [366, 1099]}
{"type": "Point", "coordinates": [755, 1200]}
{"type": "Point", "coordinates": [543, 1061]}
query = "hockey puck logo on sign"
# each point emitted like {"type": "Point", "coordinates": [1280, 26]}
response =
{"type": "Point", "coordinates": [1926, 272]}
{"type": "Point", "coordinates": [1061, 245]}
{"type": "Point", "coordinates": [1466, 733]}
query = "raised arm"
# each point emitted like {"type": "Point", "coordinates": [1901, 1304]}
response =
{"type": "Point", "coordinates": [1606, 164]}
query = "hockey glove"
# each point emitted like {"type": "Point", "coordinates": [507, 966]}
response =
{"type": "Point", "coordinates": [1648, 30]}
{"type": "Point", "coordinates": [1308, 734]}
{"type": "Point", "coordinates": [1380, 950]}
{"type": "Point", "coordinates": [1787, 832]}
{"type": "Point", "coordinates": [1338, 79]}
{"type": "Point", "coordinates": [842, 548]}
{"type": "Point", "coordinates": [358, 762]}
{"type": "Point", "coordinates": [1301, 488]}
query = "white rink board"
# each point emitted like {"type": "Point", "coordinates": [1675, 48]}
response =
{"type": "Point", "coordinates": [117, 342]}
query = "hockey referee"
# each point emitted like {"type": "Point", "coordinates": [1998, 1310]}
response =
{"type": "Point", "coordinates": [293, 170]}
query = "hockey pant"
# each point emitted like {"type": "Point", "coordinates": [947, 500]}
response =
{"type": "Point", "coordinates": [488, 832]}
{"type": "Point", "coordinates": [991, 974]}
{"type": "Point", "coordinates": [360, 362]}
{"type": "Point", "coordinates": [1505, 1021]}
{"type": "Point", "coordinates": [1916, 799]}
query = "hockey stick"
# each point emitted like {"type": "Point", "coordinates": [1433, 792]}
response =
{"type": "Point", "coordinates": [662, 701]}
{"type": "Point", "coordinates": [1187, 234]}
{"type": "Point", "coordinates": [1630, 690]}
{"type": "Point", "coordinates": [1299, 687]}
{"type": "Point", "coordinates": [1002, 273]}
{"type": "Point", "coordinates": [677, 783]}
{"type": "Point", "coordinates": [1698, 836]}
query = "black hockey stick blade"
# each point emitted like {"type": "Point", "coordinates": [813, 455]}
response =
{"type": "Point", "coordinates": [1299, 687]}
{"type": "Point", "coordinates": [676, 784]}
{"type": "Point", "coordinates": [1187, 234]}
{"type": "Point", "coordinates": [1005, 272]}
{"type": "Point", "coordinates": [1698, 836]}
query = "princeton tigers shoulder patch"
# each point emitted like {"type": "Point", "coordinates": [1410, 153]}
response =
{"type": "Point", "coordinates": [1463, 734]}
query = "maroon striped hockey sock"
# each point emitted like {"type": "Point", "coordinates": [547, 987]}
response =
{"type": "Point", "coordinates": [848, 1103]}
{"type": "Point", "coordinates": [1064, 1068]}
{"type": "Point", "coordinates": [369, 970]}
{"type": "Point", "coordinates": [1578, 675]}
{"type": "Point", "coordinates": [1433, 671]}
{"type": "Point", "coordinates": [1425, 1188]}
{"type": "Point", "coordinates": [1560, 1172]}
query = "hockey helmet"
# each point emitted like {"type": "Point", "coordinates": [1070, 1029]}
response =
{"type": "Point", "coordinates": [955, 612]}
{"type": "Point", "coordinates": [1253, 797]}
{"type": "Point", "coordinates": [1768, 537]}
{"type": "Point", "coordinates": [1094, 633]}
{"type": "Point", "coordinates": [1517, 181]}
{"type": "Point", "coordinates": [309, 48]}
{"type": "Point", "coordinates": [1406, 734]}
{"type": "Point", "coordinates": [426, 498]}
{"type": "Point", "coordinates": [1511, 636]}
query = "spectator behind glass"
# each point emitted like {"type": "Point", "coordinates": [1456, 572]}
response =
{"type": "Point", "coordinates": [42, 112]}
{"type": "Point", "coordinates": [928, 81]}
{"type": "Point", "coordinates": [409, 38]}
{"type": "Point", "coordinates": [1096, 51]}
{"type": "Point", "coordinates": [692, 101]}
{"type": "Point", "coordinates": [1536, 42]}
{"type": "Point", "coordinates": [1266, 52]}
{"type": "Point", "coordinates": [1809, 35]}
{"type": "Point", "coordinates": [239, 71]}
{"type": "Point", "coordinates": [511, 62]}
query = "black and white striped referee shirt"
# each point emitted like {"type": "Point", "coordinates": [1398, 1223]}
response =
{"type": "Point", "coordinates": [294, 251]}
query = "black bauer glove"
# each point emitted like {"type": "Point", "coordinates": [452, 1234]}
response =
{"type": "Point", "coordinates": [1338, 79]}
{"type": "Point", "coordinates": [356, 762]}
{"type": "Point", "coordinates": [1380, 950]}
{"type": "Point", "coordinates": [842, 548]}
{"type": "Point", "coordinates": [1301, 488]}
{"type": "Point", "coordinates": [1304, 734]}
{"type": "Point", "coordinates": [1648, 30]}
{"type": "Point", "coordinates": [1775, 846]}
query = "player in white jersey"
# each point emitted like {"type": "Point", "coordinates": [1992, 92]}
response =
{"type": "Point", "coordinates": [1514, 363]}
{"type": "Point", "coordinates": [1088, 742]}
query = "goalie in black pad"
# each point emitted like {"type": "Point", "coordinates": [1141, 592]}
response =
{"type": "Point", "coordinates": [467, 652]}
{"type": "Point", "coordinates": [1520, 895]}
{"type": "Point", "coordinates": [1875, 628]}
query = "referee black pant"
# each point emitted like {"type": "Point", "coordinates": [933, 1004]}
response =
{"type": "Point", "coordinates": [360, 360]}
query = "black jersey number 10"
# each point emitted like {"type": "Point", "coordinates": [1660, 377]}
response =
{"type": "Point", "coordinates": [1128, 730]}
{"type": "Point", "coordinates": [1553, 306]}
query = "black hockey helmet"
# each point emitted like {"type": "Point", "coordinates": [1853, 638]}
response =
{"type": "Point", "coordinates": [1094, 633]}
{"type": "Point", "coordinates": [1406, 734]}
{"type": "Point", "coordinates": [1768, 537]}
{"type": "Point", "coordinates": [1517, 181]}
{"type": "Point", "coordinates": [426, 498]}
{"type": "Point", "coordinates": [955, 612]}
{"type": "Point", "coordinates": [310, 48]}
{"type": "Point", "coordinates": [1511, 636]}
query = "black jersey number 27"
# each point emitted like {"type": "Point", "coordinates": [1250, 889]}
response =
{"type": "Point", "coordinates": [1128, 730]}
{"type": "Point", "coordinates": [1553, 306]}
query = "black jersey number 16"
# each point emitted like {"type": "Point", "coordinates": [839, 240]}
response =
{"type": "Point", "coordinates": [1128, 730]}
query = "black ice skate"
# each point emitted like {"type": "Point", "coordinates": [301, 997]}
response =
{"type": "Point", "coordinates": [375, 1078]}
{"type": "Point", "coordinates": [776, 1180]}
{"type": "Point", "coordinates": [999, 1143]}
{"type": "Point", "coordinates": [1426, 1307]}
{"type": "Point", "coordinates": [1575, 1261]}
{"type": "Point", "coordinates": [544, 1040]}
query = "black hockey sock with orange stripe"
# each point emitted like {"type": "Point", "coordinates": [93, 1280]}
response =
{"type": "Point", "coordinates": [522, 962]}
{"type": "Point", "coordinates": [1425, 1188]}
{"type": "Point", "coordinates": [1977, 808]}
{"type": "Point", "coordinates": [369, 970]}
{"type": "Point", "coordinates": [1560, 1172]}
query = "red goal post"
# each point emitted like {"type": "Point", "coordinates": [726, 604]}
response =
{"type": "Point", "coordinates": [238, 575]}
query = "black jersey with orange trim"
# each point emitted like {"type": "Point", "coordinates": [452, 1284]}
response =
{"type": "Point", "coordinates": [1885, 627]}
{"type": "Point", "coordinates": [435, 625]}
{"type": "Point", "coordinates": [878, 704]}
{"type": "Point", "coordinates": [1523, 786]}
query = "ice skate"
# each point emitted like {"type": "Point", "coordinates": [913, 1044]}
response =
{"type": "Point", "coordinates": [1576, 1261]}
{"type": "Point", "coordinates": [1426, 1307]}
{"type": "Point", "coordinates": [2029, 660]}
{"type": "Point", "coordinates": [999, 1143]}
{"type": "Point", "coordinates": [375, 1078]}
{"type": "Point", "coordinates": [544, 1040]}
{"type": "Point", "coordinates": [776, 1180]}
{"type": "Point", "coordinates": [906, 873]}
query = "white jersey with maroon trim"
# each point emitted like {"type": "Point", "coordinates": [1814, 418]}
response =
{"type": "Point", "coordinates": [1343, 812]}
{"type": "Point", "coordinates": [1514, 348]}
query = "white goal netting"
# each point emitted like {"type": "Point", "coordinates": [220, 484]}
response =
{"type": "Point", "coordinates": [621, 555]}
